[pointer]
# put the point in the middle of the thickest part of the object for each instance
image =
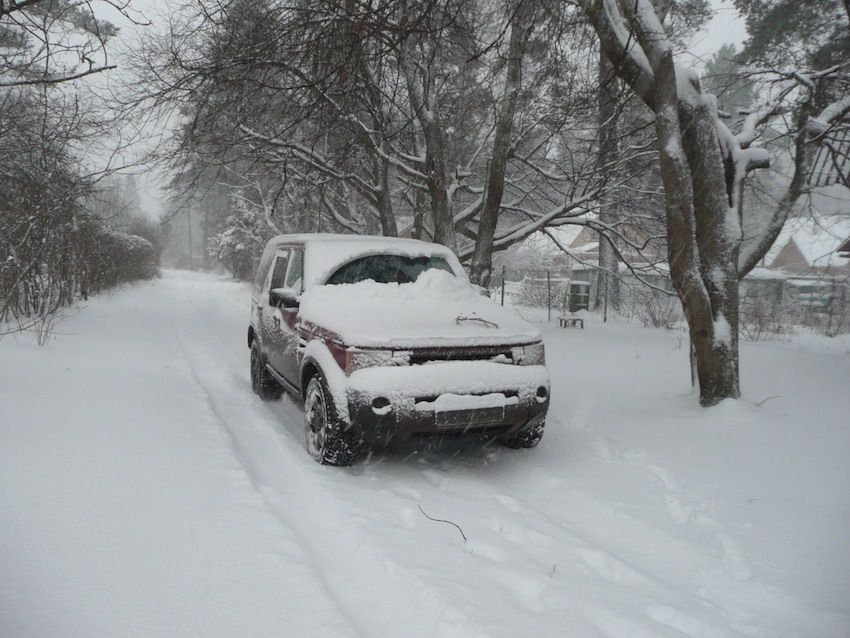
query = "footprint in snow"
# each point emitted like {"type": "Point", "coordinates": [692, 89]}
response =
{"type": "Point", "coordinates": [509, 503]}
{"type": "Point", "coordinates": [407, 492]}
{"type": "Point", "coordinates": [684, 623]}
{"type": "Point", "coordinates": [439, 481]}
{"type": "Point", "coordinates": [408, 517]}
{"type": "Point", "coordinates": [734, 562]}
{"type": "Point", "coordinates": [518, 534]}
{"type": "Point", "coordinates": [611, 568]}
{"type": "Point", "coordinates": [483, 549]}
{"type": "Point", "coordinates": [528, 590]}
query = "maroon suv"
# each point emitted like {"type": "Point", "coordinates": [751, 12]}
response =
{"type": "Point", "coordinates": [386, 340]}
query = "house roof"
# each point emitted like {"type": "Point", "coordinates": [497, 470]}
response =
{"type": "Point", "coordinates": [817, 238]}
{"type": "Point", "coordinates": [574, 237]}
{"type": "Point", "coordinates": [566, 234]}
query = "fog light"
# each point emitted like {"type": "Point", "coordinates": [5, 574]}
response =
{"type": "Point", "coordinates": [381, 405]}
{"type": "Point", "coordinates": [542, 393]}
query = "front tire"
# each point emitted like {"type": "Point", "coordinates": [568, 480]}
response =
{"type": "Point", "coordinates": [526, 439]}
{"type": "Point", "coordinates": [329, 442]}
{"type": "Point", "coordinates": [263, 383]}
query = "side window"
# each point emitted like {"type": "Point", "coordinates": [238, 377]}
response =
{"type": "Point", "coordinates": [263, 267]}
{"type": "Point", "coordinates": [279, 270]}
{"type": "Point", "coordinates": [296, 270]}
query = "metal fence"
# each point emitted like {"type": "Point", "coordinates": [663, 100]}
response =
{"type": "Point", "coordinates": [771, 303]}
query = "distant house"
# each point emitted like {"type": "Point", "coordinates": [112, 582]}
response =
{"type": "Point", "coordinates": [580, 242]}
{"type": "Point", "coordinates": [816, 245]}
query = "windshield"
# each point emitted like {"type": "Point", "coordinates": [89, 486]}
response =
{"type": "Point", "coordinates": [386, 269]}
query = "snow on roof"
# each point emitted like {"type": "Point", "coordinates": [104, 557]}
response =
{"type": "Point", "coordinates": [341, 239]}
{"type": "Point", "coordinates": [565, 235]}
{"type": "Point", "coordinates": [765, 273]}
{"type": "Point", "coordinates": [817, 237]}
{"type": "Point", "coordinates": [589, 247]}
{"type": "Point", "coordinates": [324, 252]}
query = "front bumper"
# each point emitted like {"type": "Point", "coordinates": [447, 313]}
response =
{"type": "Point", "coordinates": [389, 405]}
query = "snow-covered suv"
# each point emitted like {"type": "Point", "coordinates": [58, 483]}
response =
{"type": "Point", "coordinates": [387, 340]}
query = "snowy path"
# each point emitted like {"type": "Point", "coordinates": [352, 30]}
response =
{"type": "Point", "coordinates": [144, 490]}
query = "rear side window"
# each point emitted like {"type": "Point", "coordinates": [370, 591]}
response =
{"type": "Point", "coordinates": [279, 271]}
{"type": "Point", "coordinates": [263, 267]}
{"type": "Point", "coordinates": [296, 270]}
{"type": "Point", "coordinates": [386, 269]}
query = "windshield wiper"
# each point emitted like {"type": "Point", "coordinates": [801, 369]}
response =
{"type": "Point", "coordinates": [475, 319]}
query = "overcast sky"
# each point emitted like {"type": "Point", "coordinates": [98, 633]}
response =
{"type": "Point", "coordinates": [727, 27]}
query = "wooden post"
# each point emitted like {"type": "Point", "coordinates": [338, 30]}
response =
{"type": "Point", "coordinates": [189, 227]}
{"type": "Point", "coordinates": [503, 285]}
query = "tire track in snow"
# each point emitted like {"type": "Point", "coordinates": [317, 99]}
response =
{"type": "Point", "coordinates": [725, 578]}
{"type": "Point", "coordinates": [530, 588]}
{"type": "Point", "coordinates": [376, 593]}
{"type": "Point", "coordinates": [605, 542]}
{"type": "Point", "coordinates": [383, 587]}
{"type": "Point", "coordinates": [601, 545]}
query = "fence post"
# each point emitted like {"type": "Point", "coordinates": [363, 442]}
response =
{"type": "Point", "coordinates": [189, 227]}
{"type": "Point", "coordinates": [605, 299]}
{"type": "Point", "coordinates": [549, 295]}
{"type": "Point", "coordinates": [503, 285]}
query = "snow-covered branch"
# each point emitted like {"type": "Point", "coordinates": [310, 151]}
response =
{"type": "Point", "coordinates": [833, 113]}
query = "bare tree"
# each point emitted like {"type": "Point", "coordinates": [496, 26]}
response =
{"type": "Point", "coordinates": [54, 247]}
{"type": "Point", "coordinates": [463, 121]}
{"type": "Point", "coordinates": [703, 168]}
{"type": "Point", "coordinates": [48, 42]}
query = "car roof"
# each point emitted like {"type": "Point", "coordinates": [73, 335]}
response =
{"type": "Point", "coordinates": [337, 238]}
{"type": "Point", "coordinates": [325, 252]}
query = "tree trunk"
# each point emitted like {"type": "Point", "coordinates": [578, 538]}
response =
{"type": "Point", "coordinates": [482, 258]}
{"type": "Point", "coordinates": [608, 289]}
{"type": "Point", "coordinates": [703, 180]}
{"type": "Point", "coordinates": [389, 227]}
{"type": "Point", "coordinates": [435, 170]}
{"type": "Point", "coordinates": [430, 122]}
{"type": "Point", "coordinates": [704, 270]}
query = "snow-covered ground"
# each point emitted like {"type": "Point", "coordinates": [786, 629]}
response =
{"type": "Point", "coordinates": [145, 491]}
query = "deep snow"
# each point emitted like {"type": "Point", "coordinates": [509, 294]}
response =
{"type": "Point", "coordinates": [145, 491]}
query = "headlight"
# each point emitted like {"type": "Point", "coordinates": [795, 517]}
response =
{"type": "Point", "coordinates": [531, 355]}
{"type": "Point", "coordinates": [356, 359]}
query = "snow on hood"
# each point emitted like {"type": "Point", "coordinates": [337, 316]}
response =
{"type": "Point", "coordinates": [438, 309]}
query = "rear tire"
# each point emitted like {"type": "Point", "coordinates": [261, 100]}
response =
{"type": "Point", "coordinates": [329, 440]}
{"type": "Point", "coordinates": [526, 439]}
{"type": "Point", "coordinates": [263, 383]}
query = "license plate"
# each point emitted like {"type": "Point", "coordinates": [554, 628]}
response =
{"type": "Point", "coordinates": [458, 418]}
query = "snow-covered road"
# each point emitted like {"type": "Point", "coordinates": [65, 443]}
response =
{"type": "Point", "coordinates": [145, 491]}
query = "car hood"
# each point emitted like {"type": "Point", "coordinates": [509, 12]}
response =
{"type": "Point", "coordinates": [437, 310]}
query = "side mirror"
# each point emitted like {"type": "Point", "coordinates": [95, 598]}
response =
{"type": "Point", "coordinates": [285, 297]}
